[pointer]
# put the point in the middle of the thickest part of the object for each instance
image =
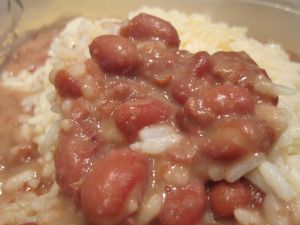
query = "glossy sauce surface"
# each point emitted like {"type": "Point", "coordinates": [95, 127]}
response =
{"type": "Point", "coordinates": [139, 80]}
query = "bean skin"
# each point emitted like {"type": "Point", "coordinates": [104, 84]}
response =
{"type": "Point", "coordinates": [208, 103]}
{"type": "Point", "coordinates": [226, 197]}
{"type": "Point", "coordinates": [114, 54]}
{"type": "Point", "coordinates": [147, 27]}
{"type": "Point", "coordinates": [238, 68]}
{"type": "Point", "coordinates": [201, 61]}
{"type": "Point", "coordinates": [220, 100]}
{"type": "Point", "coordinates": [106, 189]}
{"type": "Point", "coordinates": [130, 117]}
{"type": "Point", "coordinates": [66, 86]}
{"type": "Point", "coordinates": [190, 86]}
{"type": "Point", "coordinates": [181, 91]}
{"type": "Point", "coordinates": [229, 139]}
{"type": "Point", "coordinates": [227, 98]}
{"type": "Point", "coordinates": [184, 206]}
{"type": "Point", "coordinates": [234, 66]}
{"type": "Point", "coordinates": [73, 159]}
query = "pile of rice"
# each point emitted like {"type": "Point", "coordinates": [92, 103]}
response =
{"type": "Point", "coordinates": [278, 176]}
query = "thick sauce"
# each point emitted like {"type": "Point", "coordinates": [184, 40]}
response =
{"type": "Point", "coordinates": [115, 157]}
{"type": "Point", "coordinates": [29, 55]}
{"type": "Point", "coordinates": [32, 53]}
{"type": "Point", "coordinates": [18, 153]}
{"type": "Point", "coordinates": [10, 107]}
{"type": "Point", "coordinates": [138, 81]}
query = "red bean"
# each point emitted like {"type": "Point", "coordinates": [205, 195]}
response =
{"type": "Point", "coordinates": [192, 82]}
{"type": "Point", "coordinates": [240, 69]}
{"type": "Point", "coordinates": [157, 62]}
{"type": "Point", "coordinates": [184, 206]}
{"type": "Point", "coordinates": [195, 110]}
{"type": "Point", "coordinates": [185, 123]}
{"type": "Point", "coordinates": [147, 27]}
{"type": "Point", "coordinates": [202, 64]}
{"type": "Point", "coordinates": [226, 99]}
{"type": "Point", "coordinates": [230, 139]}
{"type": "Point", "coordinates": [222, 146]}
{"type": "Point", "coordinates": [130, 117]}
{"type": "Point", "coordinates": [226, 197]}
{"type": "Point", "coordinates": [112, 181]}
{"type": "Point", "coordinates": [234, 66]}
{"type": "Point", "coordinates": [114, 54]}
{"type": "Point", "coordinates": [66, 86]}
{"type": "Point", "coordinates": [121, 91]}
{"type": "Point", "coordinates": [73, 160]}
{"type": "Point", "coordinates": [219, 100]}
{"type": "Point", "coordinates": [182, 90]}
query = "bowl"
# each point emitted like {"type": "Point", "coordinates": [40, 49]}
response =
{"type": "Point", "coordinates": [267, 20]}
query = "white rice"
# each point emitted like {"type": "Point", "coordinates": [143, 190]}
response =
{"type": "Point", "coordinates": [247, 217]}
{"type": "Point", "coordinates": [150, 208]}
{"type": "Point", "coordinates": [156, 139]}
{"type": "Point", "coordinates": [278, 175]}
{"type": "Point", "coordinates": [240, 168]}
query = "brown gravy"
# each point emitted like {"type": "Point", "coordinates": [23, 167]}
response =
{"type": "Point", "coordinates": [29, 54]}
{"type": "Point", "coordinates": [10, 108]}
{"type": "Point", "coordinates": [32, 53]}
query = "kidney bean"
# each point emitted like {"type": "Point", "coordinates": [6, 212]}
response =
{"type": "Point", "coordinates": [130, 117]}
{"type": "Point", "coordinates": [201, 61]}
{"type": "Point", "coordinates": [114, 54]}
{"type": "Point", "coordinates": [234, 66]}
{"type": "Point", "coordinates": [233, 138]}
{"type": "Point", "coordinates": [225, 197]}
{"type": "Point", "coordinates": [182, 90]}
{"type": "Point", "coordinates": [112, 181]}
{"type": "Point", "coordinates": [184, 206]}
{"type": "Point", "coordinates": [157, 61]}
{"type": "Point", "coordinates": [66, 86]}
{"type": "Point", "coordinates": [220, 100]}
{"type": "Point", "coordinates": [240, 69]}
{"type": "Point", "coordinates": [190, 84]}
{"type": "Point", "coordinates": [73, 159]}
{"type": "Point", "coordinates": [227, 98]}
{"type": "Point", "coordinates": [147, 27]}
{"type": "Point", "coordinates": [121, 91]}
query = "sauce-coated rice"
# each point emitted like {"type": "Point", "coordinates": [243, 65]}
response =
{"type": "Point", "coordinates": [28, 191]}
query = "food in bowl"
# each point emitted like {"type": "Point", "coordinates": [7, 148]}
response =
{"type": "Point", "coordinates": [154, 123]}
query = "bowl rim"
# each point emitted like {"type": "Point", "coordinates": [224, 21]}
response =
{"type": "Point", "coordinates": [290, 6]}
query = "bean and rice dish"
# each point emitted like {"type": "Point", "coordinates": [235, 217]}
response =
{"type": "Point", "coordinates": [162, 119]}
